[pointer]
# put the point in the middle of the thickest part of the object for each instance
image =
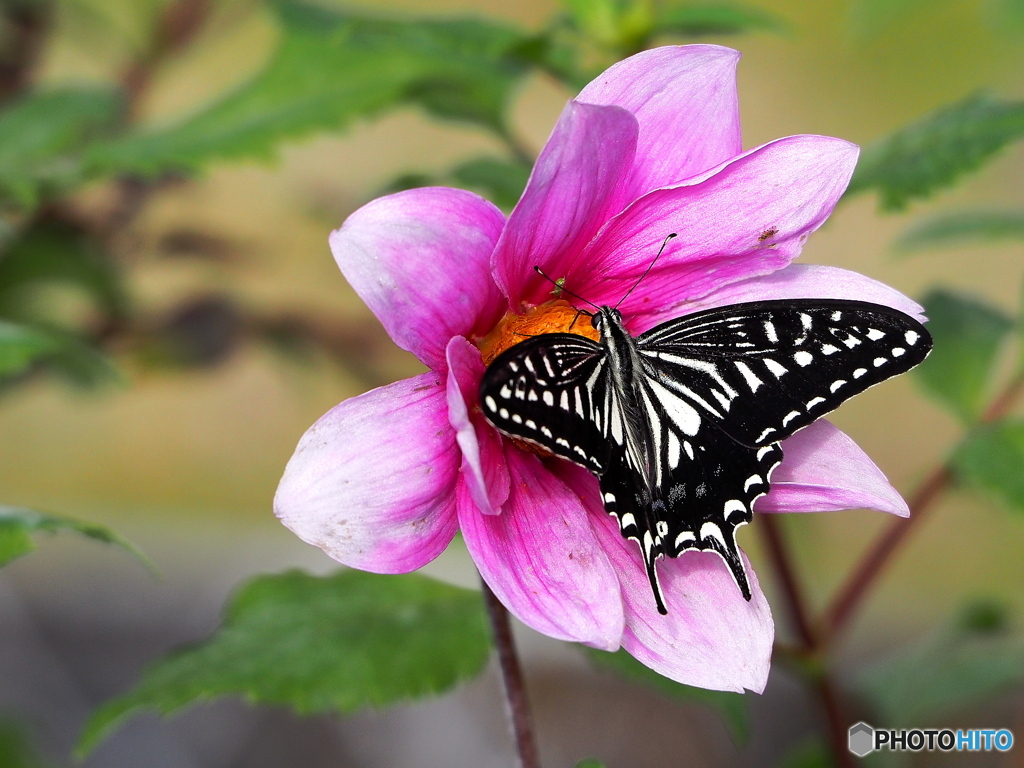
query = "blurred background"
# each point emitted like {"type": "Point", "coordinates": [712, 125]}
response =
{"type": "Point", "coordinates": [226, 330]}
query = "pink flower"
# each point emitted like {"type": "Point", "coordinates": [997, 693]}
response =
{"type": "Point", "coordinates": [383, 481]}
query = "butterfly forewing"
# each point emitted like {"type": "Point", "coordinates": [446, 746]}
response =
{"type": "Point", "coordinates": [766, 369]}
{"type": "Point", "coordinates": [544, 389]}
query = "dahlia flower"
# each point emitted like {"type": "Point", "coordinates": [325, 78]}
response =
{"type": "Point", "coordinates": [383, 481]}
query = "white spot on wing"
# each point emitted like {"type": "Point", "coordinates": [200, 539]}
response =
{"type": "Point", "coordinates": [748, 375]}
{"type": "Point", "coordinates": [814, 401]}
{"type": "Point", "coordinates": [789, 417]}
{"type": "Point", "coordinates": [711, 531]}
{"type": "Point", "coordinates": [836, 385]}
{"type": "Point", "coordinates": [734, 506]}
{"type": "Point", "coordinates": [776, 369]}
{"type": "Point", "coordinates": [803, 358]}
{"type": "Point", "coordinates": [549, 399]}
{"type": "Point", "coordinates": [491, 405]}
{"type": "Point", "coordinates": [769, 331]}
{"type": "Point", "coordinates": [829, 349]}
{"type": "Point", "coordinates": [874, 334]}
{"type": "Point", "coordinates": [859, 372]}
{"type": "Point", "coordinates": [684, 538]}
{"type": "Point", "coordinates": [752, 480]}
{"type": "Point", "coordinates": [898, 351]}
{"type": "Point", "coordinates": [911, 337]}
{"type": "Point", "coordinates": [879, 362]}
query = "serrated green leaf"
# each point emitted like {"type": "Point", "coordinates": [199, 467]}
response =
{"type": "Point", "coordinates": [968, 334]}
{"type": "Point", "coordinates": [20, 346]}
{"type": "Point", "coordinates": [948, 671]}
{"type": "Point", "coordinates": [715, 19]}
{"type": "Point", "coordinates": [321, 644]}
{"type": "Point", "coordinates": [992, 459]}
{"type": "Point", "coordinates": [42, 135]}
{"type": "Point", "coordinates": [731, 706]}
{"type": "Point", "coordinates": [915, 161]}
{"type": "Point", "coordinates": [17, 525]}
{"type": "Point", "coordinates": [330, 69]}
{"type": "Point", "coordinates": [962, 228]}
{"type": "Point", "coordinates": [501, 181]}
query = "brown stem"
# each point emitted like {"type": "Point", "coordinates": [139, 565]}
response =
{"type": "Point", "coordinates": [858, 585]}
{"type": "Point", "coordinates": [835, 721]}
{"type": "Point", "coordinates": [792, 593]}
{"type": "Point", "coordinates": [512, 675]}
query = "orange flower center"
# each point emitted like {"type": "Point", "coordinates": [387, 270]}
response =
{"type": "Point", "coordinates": [557, 316]}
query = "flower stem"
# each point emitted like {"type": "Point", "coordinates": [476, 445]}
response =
{"type": "Point", "coordinates": [792, 593]}
{"type": "Point", "coordinates": [512, 675]}
{"type": "Point", "coordinates": [856, 588]}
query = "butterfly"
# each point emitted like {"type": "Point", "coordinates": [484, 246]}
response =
{"type": "Point", "coordinates": [682, 424]}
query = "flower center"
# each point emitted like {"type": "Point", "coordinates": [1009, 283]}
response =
{"type": "Point", "coordinates": [557, 316]}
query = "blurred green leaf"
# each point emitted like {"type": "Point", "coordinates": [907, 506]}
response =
{"type": "Point", "coordinates": [715, 19]}
{"type": "Point", "coordinates": [18, 524]}
{"type": "Point", "coordinates": [590, 763]}
{"type": "Point", "coordinates": [330, 69]}
{"type": "Point", "coordinates": [949, 671]}
{"type": "Point", "coordinates": [962, 228]}
{"type": "Point", "coordinates": [731, 706]}
{"type": "Point", "coordinates": [20, 346]}
{"type": "Point", "coordinates": [16, 749]}
{"type": "Point", "coordinates": [51, 252]}
{"type": "Point", "coordinates": [501, 181]}
{"type": "Point", "coordinates": [42, 135]}
{"type": "Point", "coordinates": [992, 459]}
{"type": "Point", "coordinates": [968, 335]}
{"type": "Point", "coordinates": [321, 644]}
{"type": "Point", "coordinates": [915, 161]}
{"type": "Point", "coordinates": [809, 754]}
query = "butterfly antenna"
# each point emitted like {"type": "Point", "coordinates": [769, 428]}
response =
{"type": "Point", "coordinates": [561, 287]}
{"type": "Point", "coordinates": [648, 270]}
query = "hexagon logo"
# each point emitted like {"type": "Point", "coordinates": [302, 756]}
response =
{"type": "Point", "coordinates": [862, 739]}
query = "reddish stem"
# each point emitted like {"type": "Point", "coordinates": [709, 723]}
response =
{"type": "Point", "coordinates": [512, 675]}
{"type": "Point", "coordinates": [792, 592]}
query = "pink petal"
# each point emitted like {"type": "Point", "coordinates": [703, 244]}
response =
{"type": "Point", "coordinates": [823, 471]}
{"type": "Point", "coordinates": [483, 461]}
{"type": "Point", "coordinates": [684, 98]}
{"type": "Point", "coordinates": [711, 637]}
{"type": "Point", "coordinates": [420, 259]}
{"type": "Point", "coordinates": [749, 217]}
{"type": "Point", "coordinates": [372, 483]}
{"type": "Point", "coordinates": [541, 559]}
{"type": "Point", "coordinates": [578, 183]}
{"type": "Point", "coordinates": [802, 281]}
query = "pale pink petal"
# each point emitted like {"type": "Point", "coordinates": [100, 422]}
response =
{"type": "Point", "coordinates": [541, 558]}
{"type": "Point", "coordinates": [578, 183]}
{"type": "Point", "coordinates": [420, 259]}
{"type": "Point", "coordinates": [798, 281]}
{"type": "Point", "coordinates": [372, 483]}
{"type": "Point", "coordinates": [483, 461]}
{"type": "Point", "coordinates": [823, 471]}
{"type": "Point", "coordinates": [684, 98]}
{"type": "Point", "coordinates": [749, 217]}
{"type": "Point", "coordinates": [711, 637]}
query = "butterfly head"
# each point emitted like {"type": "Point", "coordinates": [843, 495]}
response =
{"type": "Point", "coordinates": [606, 318]}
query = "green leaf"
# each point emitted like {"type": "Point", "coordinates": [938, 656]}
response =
{"type": "Point", "coordinates": [321, 644]}
{"type": "Point", "coordinates": [715, 19]}
{"type": "Point", "coordinates": [590, 763]}
{"type": "Point", "coordinates": [42, 135]}
{"type": "Point", "coordinates": [731, 706]}
{"type": "Point", "coordinates": [54, 253]}
{"type": "Point", "coordinates": [16, 749]}
{"type": "Point", "coordinates": [17, 525]}
{"type": "Point", "coordinates": [501, 181]}
{"type": "Point", "coordinates": [962, 228]}
{"type": "Point", "coordinates": [331, 68]}
{"type": "Point", "coordinates": [813, 753]}
{"type": "Point", "coordinates": [20, 346]}
{"type": "Point", "coordinates": [992, 459]}
{"type": "Point", "coordinates": [956, 667]}
{"type": "Point", "coordinates": [915, 161]}
{"type": "Point", "coordinates": [968, 335]}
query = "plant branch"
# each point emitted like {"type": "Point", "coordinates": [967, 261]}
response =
{"type": "Point", "coordinates": [512, 675]}
{"type": "Point", "coordinates": [792, 592]}
{"type": "Point", "coordinates": [858, 585]}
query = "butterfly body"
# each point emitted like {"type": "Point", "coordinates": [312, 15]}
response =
{"type": "Point", "coordinates": [682, 424]}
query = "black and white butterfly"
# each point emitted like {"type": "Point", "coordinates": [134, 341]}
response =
{"type": "Point", "coordinates": [682, 423]}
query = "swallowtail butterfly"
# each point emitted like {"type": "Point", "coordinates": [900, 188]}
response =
{"type": "Point", "coordinates": [682, 424]}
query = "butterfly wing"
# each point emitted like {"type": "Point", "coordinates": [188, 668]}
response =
{"type": "Point", "coordinates": [543, 390]}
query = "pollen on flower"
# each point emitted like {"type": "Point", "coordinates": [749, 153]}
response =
{"type": "Point", "coordinates": [557, 316]}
